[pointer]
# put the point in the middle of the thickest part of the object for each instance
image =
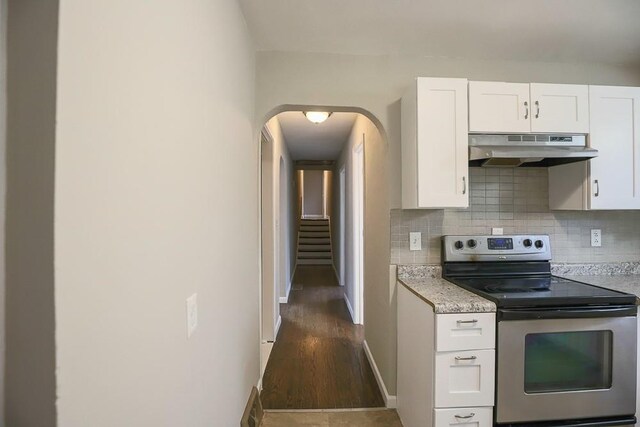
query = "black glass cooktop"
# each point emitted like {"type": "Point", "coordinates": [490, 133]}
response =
{"type": "Point", "coordinates": [538, 291]}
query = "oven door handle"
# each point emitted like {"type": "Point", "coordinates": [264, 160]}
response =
{"type": "Point", "coordinates": [567, 313]}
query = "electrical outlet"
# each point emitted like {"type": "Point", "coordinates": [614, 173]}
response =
{"type": "Point", "coordinates": [497, 231]}
{"type": "Point", "coordinates": [415, 241]}
{"type": "Point", "coordinates": [596, 238]}
{"type": "Point", "coordinates": [192, 314]}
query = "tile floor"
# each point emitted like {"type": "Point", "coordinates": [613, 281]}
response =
{"type": "Point", "coordinates": [354, 418]}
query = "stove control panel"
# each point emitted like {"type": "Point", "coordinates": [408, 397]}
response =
{"type": "Point", "coordinates": [496, 248]}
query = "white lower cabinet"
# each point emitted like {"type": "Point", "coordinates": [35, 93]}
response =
{"type": "Point", "coordinates": [463, 417]}
{"type": "Point", "coordinates": [439, 388]}
{"type": "Point", "coordinates": [465, 378]}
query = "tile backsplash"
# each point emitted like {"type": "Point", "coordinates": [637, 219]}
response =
{"type": "Point", "coordinates": [518, 201]}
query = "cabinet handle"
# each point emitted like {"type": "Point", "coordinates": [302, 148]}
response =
{"type": "Point", "coordinates": [464, 185]}
{"type": "Point", "coordinates": [597, 188]}
{"type": "Point", "coordinates": [526, 114]}
{"type": "Point", "coordinates": [537, 109]}
{"type": "Point", "coordinates": [466, 321]}
{"type": "Point", "coordinates": [466, 358]}
{"type": "Point", "coordinates": [465, 417]}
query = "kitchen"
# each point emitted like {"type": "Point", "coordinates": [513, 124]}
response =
{"type": "Point", "coordinates": [524, 338]}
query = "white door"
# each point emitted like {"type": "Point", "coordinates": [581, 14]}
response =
{"type": "Point", "coordinates": [615, 133]}
{"type": "Point", "coordinates": [559, 108]}
{"type": "Point", "coordinates": [442, 143]}
{"type": "Point", "coordinates": [358, 232]}
{"type": "Point", "coordinates": [496, 107]}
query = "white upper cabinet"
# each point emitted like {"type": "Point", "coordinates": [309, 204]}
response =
{"type": "Point", "coordinates": [611, 180]}
{"type": "Point", "coordinates": [615, 133]}
{"type": "Point", "coordinates": [559, 108]}
{"type": "Point", "coordinates": [435, 148]}
{"type": "Point", "coordinates": [497, 107]}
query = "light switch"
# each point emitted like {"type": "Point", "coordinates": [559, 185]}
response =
{"type": "Point", "coordinates": [415, 241]}
{"type": "Point", "coordinates": [192, 314]}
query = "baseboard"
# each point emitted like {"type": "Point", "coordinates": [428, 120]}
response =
{"type": "Point", "coordinates": [285, 299]}
{"type": "Point", "coordinates": [278, 323]}
{"type": "Point", "coordinates": [337, 275]}
{"type": "Point", "coordinates": [259, 385]}
{"type": "Point", "coordinates": [389, 400]}
{"type": "Point", "coordinates": [346, 300]}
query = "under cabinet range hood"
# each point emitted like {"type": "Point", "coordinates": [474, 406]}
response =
{"type": "Point", "coordinates": [528, 150]}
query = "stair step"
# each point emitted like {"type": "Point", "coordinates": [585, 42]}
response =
{"type": "Point", "coordinates": [314, 241]}
{"type": "Point", "coordinates": [314, 248]}
{"type": "Point", "coordinates": [324, 228]}
{"type": "Point", "coordinates": [314, 234]}
{"type": "Point", "coordinates": [314, 262]}
{"type": "Point", "coordinates": [316, 255]}
{"type": "Point", "coordinates": [314, 222]}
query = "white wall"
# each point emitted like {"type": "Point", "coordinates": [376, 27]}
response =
{"type": "Point", "coordinates": [30, 389]}
{"type": "Point", "coordinates": [376, 84]}
{"type": "Point", "coordinates": [156, 198]}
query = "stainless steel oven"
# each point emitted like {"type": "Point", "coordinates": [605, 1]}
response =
{"type": "Point", "coordinates": [566, 364]}
{"type": "Point", "coordinates": [565, 350]}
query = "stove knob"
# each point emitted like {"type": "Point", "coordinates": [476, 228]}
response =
{"type": "Point", "coordinates": [458, 245]}
{"type": "Point", "coordinates": [527, 243]}
{"type": "Point", "coordinates": [539, 244]}
{"type": "Point", "coordinates": [472, 243]}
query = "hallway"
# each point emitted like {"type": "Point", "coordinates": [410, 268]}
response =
{"type": "Point", "coordinates": [318, 360]}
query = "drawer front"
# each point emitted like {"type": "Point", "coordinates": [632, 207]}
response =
{"type": "Point", "coordinates": [463, 417]}
{"type": "Point", "coordinates": [465, 331]}
{"type": "Point", "coordinates": [465, 379]}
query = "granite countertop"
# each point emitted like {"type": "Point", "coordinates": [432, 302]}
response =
{"type": "Point", "coordinates": [427, 283]}
{"type": "Point", "coordinates": [623, 277]}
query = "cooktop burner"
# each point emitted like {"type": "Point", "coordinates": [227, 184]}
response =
{"type": "Point", "coordinates": [515, 271]}
{"type": "Point", "coordinates": [537, 291]}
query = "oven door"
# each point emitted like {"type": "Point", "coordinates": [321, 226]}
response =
{"type": "Point", "coordinates": [565, 364]}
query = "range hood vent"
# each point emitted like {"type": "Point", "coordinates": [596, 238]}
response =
{"type": "Point", "coordinates": [509, 151]}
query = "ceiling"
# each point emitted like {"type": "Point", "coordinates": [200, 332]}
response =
{"type": "Point", "coordinates": [605, 31]}
{"type": "Point", "coordinates": [309, 141]}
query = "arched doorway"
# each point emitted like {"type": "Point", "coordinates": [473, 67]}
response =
{"type": "Point", "coordinates": [351, 217]}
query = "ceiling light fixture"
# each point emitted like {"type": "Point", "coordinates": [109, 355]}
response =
{"type": "Point", "coordinates": [317, 116]}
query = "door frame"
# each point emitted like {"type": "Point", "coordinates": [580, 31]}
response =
{"type": "Point", "coordinates": [343, 220]}
{"type": "Point", "coordinates": [358, 231]}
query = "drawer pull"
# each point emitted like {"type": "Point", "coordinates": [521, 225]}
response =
{"type": "Point", "coordinates": [465, 417]}
{"type": "Point", "coordinates": [466, 321]}
{"type": "Point", "coordinates": [466, 358]}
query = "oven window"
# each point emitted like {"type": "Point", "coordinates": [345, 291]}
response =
{"type": "Point", "coordinates": [567, 361]}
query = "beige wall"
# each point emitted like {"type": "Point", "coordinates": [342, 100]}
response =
{"type": "Point", "coordinates": [379, 296]}
{"type": "Point", "coordinates": [313, 192]}
{"type": "Point", "coordinates": [376, 84]}
{"type": "Point", "coordinates": [156, 198]}
{"type": "Point", "coordinates": [3, 188]}
{"type": "Point", "coordinates": [31, 81]}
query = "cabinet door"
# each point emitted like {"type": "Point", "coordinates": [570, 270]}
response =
{"type": "Point", "coordinates": [615, 132]}
{"type": "Point", "coordinates": [463, 417]}
{"type": "Point", "coordinates": [496, 107]}
{"type": "Point", "coordinates": [465, 378]}
{"type": "Point", "coordinates": [559, 108]}
{"type": "Point", "coordinates": [442, 143]}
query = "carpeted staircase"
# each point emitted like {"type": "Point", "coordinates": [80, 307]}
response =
{"type": "Point", "coordinates": [314, 242]}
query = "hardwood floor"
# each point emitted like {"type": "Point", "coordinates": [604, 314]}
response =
{"type": "Point", "coordinates": [369, 418]}
{"type": "Point", "coordinates": [318, 361]}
